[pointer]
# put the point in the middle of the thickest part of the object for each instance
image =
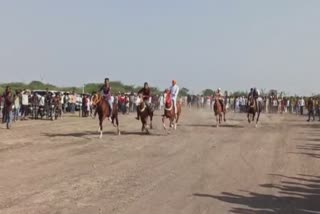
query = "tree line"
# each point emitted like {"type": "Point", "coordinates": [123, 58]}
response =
{"type": "Point", "coordinates": [117, 86]}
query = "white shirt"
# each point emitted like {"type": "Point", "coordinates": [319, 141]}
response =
{"type": "Point", "coordinates": [161, 100]}
{"type": "Point", "coordinates": [42, 101]}
{"type": "Point", "coordinates": [25, 99]}
{"type": "Point", "coordinates": [174, 90]}
{"type": "Point", "coordinates": [138, 101]}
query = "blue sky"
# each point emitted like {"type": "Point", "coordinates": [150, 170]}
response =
{"type": "Point", "coordinates": [232, 44]}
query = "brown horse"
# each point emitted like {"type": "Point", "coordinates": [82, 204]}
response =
{"type": "Point", "coordinates": [218, 111]}
{"type": "Point", "coordinates": [56, 101]}
{"type": "Point", "coordinates": [254, 107]}
{"type": "Point", "coordinates": [169, 112]}
{"type": "Point", "coordinates": [102, 107]}
{"type": "Point", "coordinates": [145, 112]}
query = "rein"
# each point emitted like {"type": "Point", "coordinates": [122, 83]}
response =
{"type": "Point", "coordinates": [142, 110]}
{"type": "Point", "coordinates": [169, 109]}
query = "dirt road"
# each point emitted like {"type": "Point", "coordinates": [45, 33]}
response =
{"type": "Point", "coordinates": [62, 167]}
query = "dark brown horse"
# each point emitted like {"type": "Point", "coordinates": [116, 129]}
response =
{"type": "Point", "coordinates": [102, 107]}
{"type": "Point", "coordinates": [254, 107]}
{"type": "Point", "coordinates": [145, 113]}
{"type": "Point", "coordinates": [169, 112]}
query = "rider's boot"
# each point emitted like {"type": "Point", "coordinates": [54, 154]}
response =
{"type": "Point", "coordinates": [110, 116]}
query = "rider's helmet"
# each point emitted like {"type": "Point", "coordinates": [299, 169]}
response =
{"type": "Point", "coordinates": [146, 84]}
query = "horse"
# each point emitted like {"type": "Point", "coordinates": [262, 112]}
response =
{"type": "Point", "coordinates": [57, 108]}
{"type": "Point", "coordinates": [145, 112]}
{"type": "Point", "coordinates": [169, 112]}
{"type": "Point", "coordinates": [253, 108]}
{"type": "Point", "coordinates": [102, 107]}
{"type": "Point", "coordinates": [219, 110]}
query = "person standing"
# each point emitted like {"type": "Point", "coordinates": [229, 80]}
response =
{"type": "Point", "coordinates": [25, 105]}
{"type": "Point", "coordinates": [131, 102]}
{"type": "Point", "coordinates": [4, 119]}
{"type": "Point", "coordinates": [174, 90]}
{"type": "Point", "coordinates": [17, 106]}
{"type": "Point", "coordinates": [161, 102]}
{"type": "Point", "coordinates": [8, 102]}
{"type": "Point", "coordinates": [189, 101]}
{"type": "Point", "coordinates": [302, 104]}
{"type": "Point", "coordinates": [310, 106]}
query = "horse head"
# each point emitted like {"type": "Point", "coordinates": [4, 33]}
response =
{"type": "Point", "coordinates": [252, 103]}
{"type": "Point", "coordinates": [96, 99]}
{"type": "Point", "coordinates": [142, 106]}
{"type": "Point", "coordinates": [168, 102]}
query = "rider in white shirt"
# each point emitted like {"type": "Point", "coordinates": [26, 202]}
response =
{"type": "Point", "coordinates": [174, 90]}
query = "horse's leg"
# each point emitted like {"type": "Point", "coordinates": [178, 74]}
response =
{"type": "Point", "coordinates": [249, 117]}
{"type": "Point", "coordinates": [117, 122]}
{"type": "Point", "coordinates": [101, 128]}
{"type": "Point", "coordinates": [258, 116]}
{"type": "Point", "coordinates": [174, 125]}
{"type": "Point", "coordinates": [163, 123]}
{"type": "Point", "coordinates": [151, 118]}
{"type": "Point", "coordinates": [217, 120]}
{"type": "Point", "coordinates": [178, 117]}
{"type": "Point", "coordinates": [224, 116]}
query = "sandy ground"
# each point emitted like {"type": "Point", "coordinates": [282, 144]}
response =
{"type": "Point", "coordinates": [62, 167]}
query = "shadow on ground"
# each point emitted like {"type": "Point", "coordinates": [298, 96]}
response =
{"type": "Point", "coordinates": [299, 194]}
{"type": "Point", "coordinates": [214, 125]}
{"type": "Point", "coordinates": [96, 134]}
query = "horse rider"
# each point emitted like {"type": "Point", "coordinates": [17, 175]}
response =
{"type": "Point", "coordinates": [250, 94]}
{"type": "Point", "coordinates": [106, 93]}
{"type": "Point", "coordinates": [218, 95]}
{"type": "Point", "coordinates": [255, 94]}
{"type": "Point", "coordinates": [146, 94]}
{"type": "Point", "coordinates": [174, 90]}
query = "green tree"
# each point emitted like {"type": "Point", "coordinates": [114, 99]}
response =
{"type": "Point", "coordinates": [184, 92]}
{"type": "Point", "coordinates": [208, 92]}
{"type": "Point", "coordinates": [239, 94]}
